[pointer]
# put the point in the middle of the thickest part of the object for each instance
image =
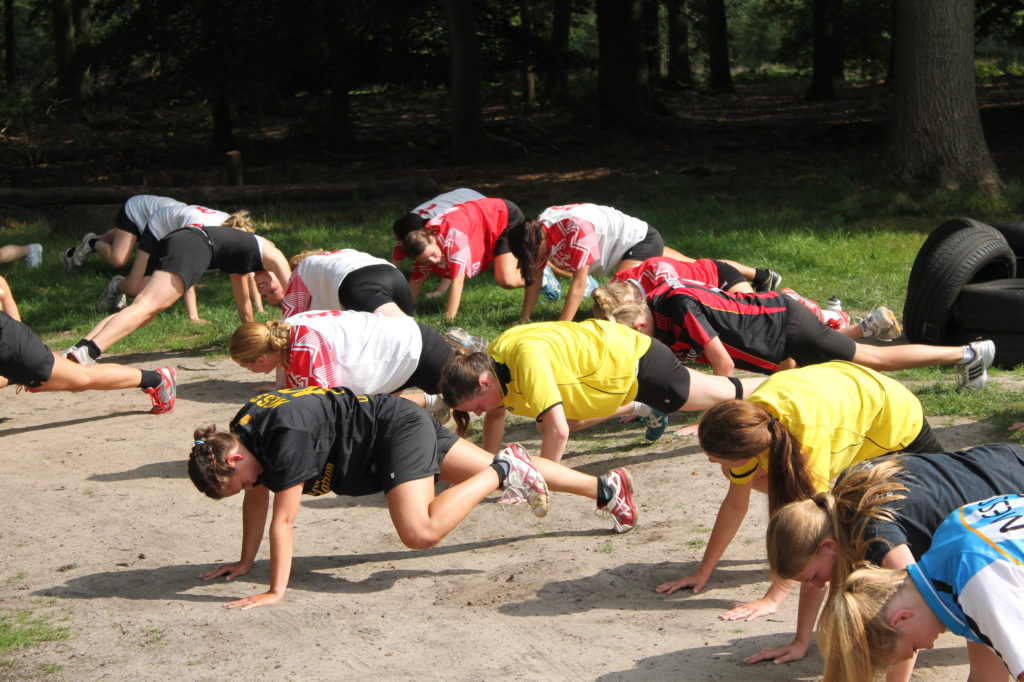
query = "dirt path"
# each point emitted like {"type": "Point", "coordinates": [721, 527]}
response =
{"type": "Point", "coordinates": [103, 532]}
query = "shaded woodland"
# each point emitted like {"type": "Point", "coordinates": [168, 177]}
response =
{"type": "Point", "coordinates": [152, 92]}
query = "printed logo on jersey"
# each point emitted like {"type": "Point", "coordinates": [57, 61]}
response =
{"type": "Point", "coordinates": [322, 486]}
{"type": "Point", "coordinates": [996, 520]}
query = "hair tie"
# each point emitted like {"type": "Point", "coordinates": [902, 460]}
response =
{"type": "Point", "coordinates": [772, 421]}
{"type": "Point", "coordinates": [200, 442]}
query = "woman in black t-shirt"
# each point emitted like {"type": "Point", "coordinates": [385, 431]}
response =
{"type": "Point", "coordinates": [176, 265]}
{"type": "Point", "coordinates": [317, 440]}
{"type": "Point", "coordinates": [894, 504]}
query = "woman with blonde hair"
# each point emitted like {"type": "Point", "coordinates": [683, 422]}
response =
{"type": "Point", "coordinates": [793, 436]}
{"type": "Point", "coordinates": [969, 582]}
{"type": "Point", "coordinates": [887, 509]}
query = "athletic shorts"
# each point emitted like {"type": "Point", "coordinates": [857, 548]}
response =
{"type": "Point", "coordinates": [515, 218]}
{"type": "Point", "coordinates": [186, 252]}
{"type": "Point", "coordinates": [810, 342]}
{"type": "Point", "coordinates": [925, 442]}
{"type": "Point", "coordinates": [728, 276]}
{"type": "Point", "coordinates": [664, 383]}
{"type": "Point", "coordinates": [24, 358]}
{"type": "Point", "coordinates": [123, 222]}
{"type": "Point", "coordinates": [370, 287]}
{"type": "Point", "coordinates": [651, 246]}
{"type": "Point", "coordinates": [415, 446]}
{"type": "Point", "coordinates": [433, 356]}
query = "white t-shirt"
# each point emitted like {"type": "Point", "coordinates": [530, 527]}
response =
{"type": "Point", "coordinates": [315, 281]}
{"type": "Point", "coordinates": [365, 352]}
{"type": "Point", "coordinates": [141, 206]}
{"type": "Point", "coordinates": [442, 202]}
{"type": "Point", "coordinates": [575, 224]}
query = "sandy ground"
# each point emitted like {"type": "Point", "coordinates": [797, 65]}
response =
{"type": "Point", "coordinates": [103, 533]}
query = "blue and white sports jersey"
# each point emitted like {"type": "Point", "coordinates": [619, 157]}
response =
{"type": "Point", "coordinates": [973, 575]}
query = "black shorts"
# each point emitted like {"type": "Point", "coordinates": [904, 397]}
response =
{"type": "Point", "coordinates": [123, 222]}
{"type": "Point", "coordinates": [433, 357]}
{"type": "Point", "coordinates": [925, 442]}
{"type": "Point", "coordinates": [651, 246]}
{"type": "Point", "coordinates": [728, 276]}
{"type": "Point", "coordinates": [515, 218]}
{"type": "Point", "coordinates": [370, 287]}
{"type": "Point", "coordinates": [24, 358]}
{"type": "Point", "coordinates": [415, 447]}
{"type": "Point", "coordinates": [186, 252]}
{"type": "Point", "coordinates": [810, 342]}
{"type": "Point", "coordinates": [664, 383]}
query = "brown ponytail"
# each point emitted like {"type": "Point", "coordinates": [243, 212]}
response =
{"type": "Point", "coordinates": [240, 221]}
{"type": "Point", "coordinates": [524, 241]}
{"type": "Point", "coordinates": [207, 462]}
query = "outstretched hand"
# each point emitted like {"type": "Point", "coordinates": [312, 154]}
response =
{"type": "Point", "coordinates": [794, 651]}
{"type": "Point", "coordinates": [750, 610]}
{"type": "Point", "coordinates": [229, 571]}
{"type": "Point", "coordinates": [694, 581]}
{"type": "Point", "coordinates": [255, 601]}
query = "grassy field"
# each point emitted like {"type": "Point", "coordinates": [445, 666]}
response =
{"type": "Point", "coordinates": [837, 233]}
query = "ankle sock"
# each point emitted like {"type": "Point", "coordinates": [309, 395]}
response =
{"type": "Point", "coordinates": [92, 243]}
{"type": "Point", "coordinates": [502, 468]}
{"type": "Point", "coordinates": [641, 409]}
{"type": "Point", "coordinates": [969, 355]}
{"type": "Point", "coordinates": [94, 350]}
{"type": "Point", "coordinates": [761, 277]}
{"type": "Point", "coordinates": [604, 493]}
{"type": "Point", "coordinates": [150, 379]}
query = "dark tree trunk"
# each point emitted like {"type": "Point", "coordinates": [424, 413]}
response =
{"type": "Point", "coordinates": [80, 65]}
{"type": "Point", "coordinates": [719, 70]}
{"type": "Point", "coordinates": [223, 126]}
{"type": "Point", "coordinates": [621, 69]}
{"type": "Point", "coordinates": [652, 40]}
{"type": "Point", "coordinates": [529, 73]}
{"type": "Point", "coordinates": [556, 68]}
{"type": "Point", "coordinates": [838, 41]}
{"type": "Point", "coordinates": [936, 136]}
{"type": "Point", "coordinates": [10, 45]}
{"type": "Point", "coordinates": [680, 73]}
{"type": "Point", "coordinates": [64, 46]}
{"type": "Point", "coordinates": [339, 121]}
{"type": "Point", "coordinates": [467, 118]}
{"type": "Point", "coordinates": [822, 87]}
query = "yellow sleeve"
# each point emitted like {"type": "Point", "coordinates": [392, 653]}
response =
{"type": "Point", "coordinates": [534, 380]}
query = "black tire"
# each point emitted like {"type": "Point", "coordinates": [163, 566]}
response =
{"type": "Point", "coordinates": [933, 241]}
{"type": "Point", "coordinates": [1009, 347]}
{"type": "Point", "coordinates": [1014, 234]}
{"type": "Point", "coordinates": [996, 306]}
{"type": "Point", "coordinates": [978, 253]}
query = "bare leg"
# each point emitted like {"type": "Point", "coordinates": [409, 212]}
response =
{"type": "Point", "coordinates": [506, 272]}
{"type": "Point", "coordinates": [7, 302]}
{"type": "Point", "coordinates": [906, 356]}
{"type": "Point", "coordinates": [70, 376]}
{"type": "Point", "coordinates": [390, 310]}
{"type": "Point", "coordinates": [191, 307]}
{"type": "Point", "coordinates": [12, 252]}
{"type": "Point", "coordinates": [707, 390]}
{"type": "Point", "coordinates": [115, 246]}
{"type": "Point", "coordinates": [136, 279]}
{"type": "Point", "coordinates": [163, 289]}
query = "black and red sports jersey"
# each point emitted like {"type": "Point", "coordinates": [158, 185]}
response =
{"type": "Point", "coordinates": [752, 327]}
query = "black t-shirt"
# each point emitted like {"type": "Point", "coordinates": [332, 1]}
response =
{"type": "Point", "coordinates": [936, 485]}
{"type": "Point", "coordinates": [328, 439]}
{"type": "Point", "coordinates": [234, 251]}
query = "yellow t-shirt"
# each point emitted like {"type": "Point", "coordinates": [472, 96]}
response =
{"type": "Point", "coordinates": [590, 367]}
{"type": "Point", "coordinates": [841, 413]}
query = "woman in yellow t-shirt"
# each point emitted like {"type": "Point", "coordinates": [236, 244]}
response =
{"type": "Point", "coordinates": [569, 375]}
{"type": "Point", "coordinates": [791, 438]}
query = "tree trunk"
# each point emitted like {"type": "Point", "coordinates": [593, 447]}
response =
{"type": "Point", "coordinates": [10, 45]}
{"type": "Point", "coordinates": [468, 142]}
{"type": "Point", "coordinates": [80, 65]}
{"type": "Point", "coordinates": [223, 126]}
{"type": "Point", "coordinates": [339, 121]}
{"type": "Point", "coordinates": [936, 135]}
{"type": "Point", "coordinates": [652, 40]}
{"type": "Point", "coordinates": [838, 41]}
{"type": "Point", "coordinates": [63, 46]}
{"type": "Point", "coordinates": [529, 73]}
{"type": "Point", "coordinates": [822, 87]}
{"type": "Point", "coordinates": [719, 70]}
{"type": "Point", "coordinates": [621, 69]}
{"type": "Point", "coordinates": [556, 71]}
{"type": "Point", "coordinates": [680, 73]}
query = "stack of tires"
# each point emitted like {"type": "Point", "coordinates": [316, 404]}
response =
{"type": "Point", "coordinates": [964, 286]}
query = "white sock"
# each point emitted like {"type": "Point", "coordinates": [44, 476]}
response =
{"type": "Point", "coordinates": [969, 355]}
{"type": "Point", "coordinates": [641, 409]}
{"type": "Point", "coordinates": [431, 401]}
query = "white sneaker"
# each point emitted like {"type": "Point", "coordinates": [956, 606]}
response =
{"type": "Point", "coordinates": [524, 482]}
{"type": "Point", "coordinates": [112, 300]}
{"type": "Point", "coordinates": [459, 338]}
{"type": "Point", "coordinates": [83, 250]}
{"type": "Point", "coordinates": [974, 374]}
{"type": "Point", "coordinates": [622, 507]}
{"type": "Point", "coordinates": [34, 257]}
{"type": "Point", "coordinates": [882, 324]}
{"type": "Point", "coordinates": [79, 354]}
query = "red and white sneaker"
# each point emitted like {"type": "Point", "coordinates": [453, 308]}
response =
{"type": "Point", "coordinates": [621, 507]}
{"type": "Point", "coordinates": [524, 482]}
{"type": "Point", "coordinates": [163, 396]}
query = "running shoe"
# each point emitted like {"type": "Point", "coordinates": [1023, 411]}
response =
{"type": "Point", "coordinates": [974, 374]}
{"type": "Point", "coordinates": [441, 412]}
{"type": "Point", "coordinates": [622, 507]}
{"type": "Point", "coordinates": [773, 282]}
{"type": "Point", "coordinates": [882, 324]}
{"type": "Point", "coordinates": [656, 425]}
{"type": "Point", "coordinates": [34, 257]}
{"type": "Point", "coordinates": [591, 285]}
{"type": "Point", "coordinates": [164, 395]}
{"type": "Point", "coordinates": [460, 338]}
{"type": "Point", "coordinates": [550, 287]}
{"type": "Point", "coordinates": [112, 300]}
{"type": "Point", "coordinates": [524, 482]}
{"type": "Point", "coordinates": [79, 354]}
{"type": "Point", "coordinates": [67, 258]}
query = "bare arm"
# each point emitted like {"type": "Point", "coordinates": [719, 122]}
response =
{"type": "Point", "coordinates": [241, 293]}
{"type": "Point", "coordinates": [530, 296]}
{"type": "Point", "coordinates": [575, 294]}
{"type": "Point", "coordinates": [254, 520]}
{"type": "Point", "coordinates": [454, 297]}
{"type": "Point", "coordinates": [718, 357]}
{"type": "Point", "coordinates": [811, 597]}
{"type": "Point", "coordinates": [555, 432]}
{"type": "Point", "coordinates": [494, 429]}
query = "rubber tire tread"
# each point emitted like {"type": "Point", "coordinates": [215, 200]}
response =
{"type": "Point", "coordinates": [934, 240]}
{"type": "Point", "coordinates": [1014, 233]}
{"type": "Point", "coordinates": [978, 253]}
{"type": "Point", "coordinates": [996, 306]}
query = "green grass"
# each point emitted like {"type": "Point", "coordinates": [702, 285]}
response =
{"type": "Point", "coordinates": [20, 629]}
{"type": "Point", "coordinates": [842, 231]}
